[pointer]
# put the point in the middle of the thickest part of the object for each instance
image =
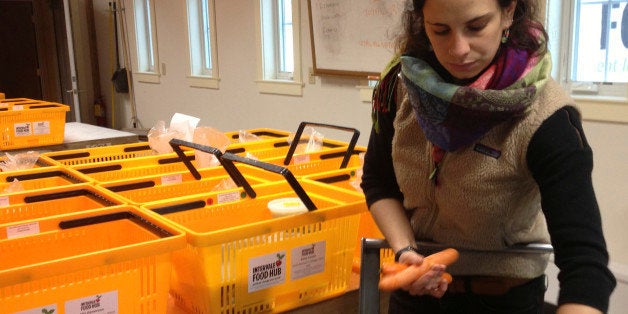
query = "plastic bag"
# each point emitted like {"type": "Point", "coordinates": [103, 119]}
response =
{"type": "Point", "coordinates": [245, 137]}
{"type": "Point", "coordinates": [14, 186]}
{"type": "Point", "coordinates": [159, 138]}
{"type": "Point", "coordinates": [209, 136]}
{"type": "Point", "coordinates": [314, 141]}
{"type": "Point", "coordinates": [181, 127]}
{"type": "Point", "coordinates": [19, 161]}
{"type": "Point", "coordinates": [225, 184]}
{"type": "Point", "coordinates": [355, 183]}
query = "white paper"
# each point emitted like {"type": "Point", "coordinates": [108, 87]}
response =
{"type": "Point", "coordinates": [23, 230]}
{"type": "Point", "coordinates": [105, 303]}
{"type": "Point", "coordinates": [184, 124]}
{"type": "Point", "coordinates": [267, 271]}
{"type": "Point", "coordinates": [307, 260]}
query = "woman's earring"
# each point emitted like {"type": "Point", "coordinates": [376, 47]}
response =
{"type": "Point", "coordinates": [505, 35]}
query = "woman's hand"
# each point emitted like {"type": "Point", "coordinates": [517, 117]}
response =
{"type": "Point", "coordinates": [431, 283]}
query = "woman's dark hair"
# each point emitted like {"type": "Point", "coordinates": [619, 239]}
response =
{"type": "Point", "coordinates": [526, 32]}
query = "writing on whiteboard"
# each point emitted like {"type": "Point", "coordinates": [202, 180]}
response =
{"type": "Point", "coordinates": [354, 35]}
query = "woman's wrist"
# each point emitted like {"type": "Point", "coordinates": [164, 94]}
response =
{"type": "Point", "coordinates": [408, 248]}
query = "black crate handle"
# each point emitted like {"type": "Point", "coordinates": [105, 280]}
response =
{"type": "Point", "coordinates": [235, 175]}
{"type": "Point", "coordinates": [92, 220]}
{"type": "Point", "coordinates": [299, 132]}
{"type": "Point", "coordinates": [307, 201]}
{"type": "Point", "coordinates": [68, 194]}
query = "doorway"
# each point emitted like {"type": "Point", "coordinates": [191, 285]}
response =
{"type": "Point", "coordinates": [38, 64]}
{"type": "Point", "coordinates": [20, 74]}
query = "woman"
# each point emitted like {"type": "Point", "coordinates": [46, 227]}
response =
{"type": "Point", "coordinates": [474, 146]}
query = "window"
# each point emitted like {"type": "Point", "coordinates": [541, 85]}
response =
{"type": "Point", "coordinates": [279, 37]}
{"type": "Point", "coordinates": [591, 59]}
{"type": "Point", "coordinates": [203, 70]}
{"type": "Point", "coordinates": [285, 42]}
{"type": "Point", "coordinates": [601, 43]}
{"type": "Point", "coordinates": [146, 41]}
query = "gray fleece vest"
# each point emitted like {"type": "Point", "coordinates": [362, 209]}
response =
{"type": "Point", "coordinates": [486, 198]}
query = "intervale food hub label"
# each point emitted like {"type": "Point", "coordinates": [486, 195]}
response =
{"type": "Point", "coordinates": [270, 270]}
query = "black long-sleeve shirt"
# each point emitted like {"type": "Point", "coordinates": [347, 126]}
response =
{"type": "Point", "coordinates": [561, 161]}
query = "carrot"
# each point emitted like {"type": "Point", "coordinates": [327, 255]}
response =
{"type": "Point", "coordinates": [447, 276]}
{"type": "Point", "coordinates": [405, 276]}
{"type": "Point", "coordinates": [355, 265]}
{"type": "Point", "coordinates": [389, 268]}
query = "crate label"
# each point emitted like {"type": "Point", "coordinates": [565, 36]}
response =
{"type": "Point", "coordinates": [18, 107]}
{"type": "Point", "coordinates": [4, 201]}
{"type": "Point", "coordinates": [301, 159]}
{"type": "Point", "coordinates": [228, 197]}
{"type": "Point", "coordinates": [22, 129]}
{"type": "Point", "coordinates": [267, 271]}
{"type": "Point", "coordinates": [103, 303]}
{"type": "Point", "coordinates": [41, 127]}
{"type": "Point", "coordinates": [172, 179]}
{"type": "Point", "coordinates": [47, 309]}
{"type": "Point", "coordinates": [307, 260]}
{"type": "Point", "coordinates": [22, 230]}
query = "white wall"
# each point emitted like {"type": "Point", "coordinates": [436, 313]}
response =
{"type": "Point", "coordinates": [238, 105]}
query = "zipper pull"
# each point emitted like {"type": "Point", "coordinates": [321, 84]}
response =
{"type": "Point", "coordinates": [434, 174]}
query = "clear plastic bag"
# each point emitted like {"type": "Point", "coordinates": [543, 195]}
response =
{"type": "Point", "coordinates": [355, 183]}
{"type": "Point", "coordinates": [314, 140]}
{"type": "Point", "coordinates": [181, 127]}
{"type": "Point", "coordinates": [245, 137]}
{"type": "Point", "coordinates": [209, 136]}
{"type": "Point", "coordinates": [14, 186]}
{"type": "Point", "coordinates": [159, 137]}
{"type": "Point", "coordinates": [20, 161]}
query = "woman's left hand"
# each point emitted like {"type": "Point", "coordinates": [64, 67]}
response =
{"type": "Point", "coordinates": [431, 283]}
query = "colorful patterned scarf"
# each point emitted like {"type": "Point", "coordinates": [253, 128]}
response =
{"type": "Point", "coordinates": [454, 116]}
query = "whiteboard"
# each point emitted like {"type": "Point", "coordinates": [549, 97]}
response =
{"type": "Point", "coordinates": [353, 37]}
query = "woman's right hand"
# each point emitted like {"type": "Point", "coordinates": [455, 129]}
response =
{"type": "Point", "coordinates": [392, 221]}
{"type": "Point", "coordinates": [431, 283]}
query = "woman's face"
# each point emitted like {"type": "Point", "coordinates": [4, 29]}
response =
{"type": "Point", "coordinates": [465, 34]}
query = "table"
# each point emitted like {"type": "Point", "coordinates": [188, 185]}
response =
{"type": "Point", "coordinates": [80, 135]}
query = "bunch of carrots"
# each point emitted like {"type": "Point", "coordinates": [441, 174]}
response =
{"type": "Point", "coordinates": [398, 275]}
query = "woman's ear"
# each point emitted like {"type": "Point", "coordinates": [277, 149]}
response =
{"type": "Point", "coordinates": [509, 14]}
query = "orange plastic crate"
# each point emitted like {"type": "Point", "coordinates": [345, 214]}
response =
{"type": "Point", "coordinates": [347, 179]}
{"type": "Point", "coordinates": [114, 260]}
{"type": "Point", "coordinates": [100, 154]}
{"type": "Point", "coordinates": [27, 205]}
{"type": "Point", "coordinates": [262, 134]}
{"type": "Point", "coordinates": [278, 148]}
{"type": "Point", "coordinates": [30, 123]}
{"type": "Point", "coordinates": [241, 260]}
{"type": "Point", "coordinates": [108, 171]}
{"type": "Point", "coordinates": [181, 183]}
{"type": "Point", "coordinates": [41, 178]}
{"type": "Point", "coordinates": [317, 162]}
{"type": "Point", "coordinates": [42, 161]}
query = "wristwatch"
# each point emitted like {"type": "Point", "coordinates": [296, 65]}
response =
{"type": "Point", "coordinates": [406, 249]}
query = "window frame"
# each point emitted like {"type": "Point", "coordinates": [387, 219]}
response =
{"type": "Point", "coordinates": [198, 30]}
{"type": "Point", "coordinates": [597, 101]}
{"type": "Point", "coordinates": [143, 70]}
{"type": "Point", "coordinates": [269, 79]}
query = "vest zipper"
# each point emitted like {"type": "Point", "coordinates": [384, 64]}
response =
{"type": "Point", "coordinates": [436, 157]}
